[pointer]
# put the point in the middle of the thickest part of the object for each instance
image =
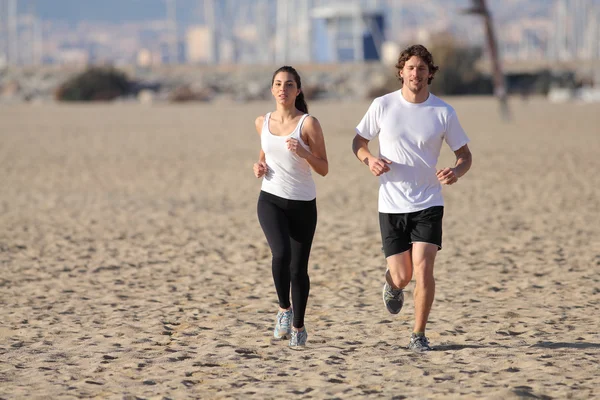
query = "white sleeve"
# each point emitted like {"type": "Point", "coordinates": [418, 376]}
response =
{"type": "Point", "coordinates": [369, 127]}
{"type": "Point", "coordinates": [455, 134]}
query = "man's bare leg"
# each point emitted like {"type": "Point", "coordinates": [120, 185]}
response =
{"type": "Point", "coordinates": [397, 277]}
{"type": "Point", "coordinates": [400, 269]}
{"type": "Point", "coordinates": [423, 258]}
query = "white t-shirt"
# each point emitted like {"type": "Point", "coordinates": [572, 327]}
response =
{"type": "Point", "coordinates": [411, 136]}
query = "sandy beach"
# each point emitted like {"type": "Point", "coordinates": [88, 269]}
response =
{"type": "Point", "coordinates": [133, 265]}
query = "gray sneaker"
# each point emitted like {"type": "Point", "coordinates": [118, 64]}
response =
{"type": "Point", "coordinates": [298, 339]}
{"type": "Point", "coordinates": [418, 343]}
{"type": "Point", "coordinates": [392, 298]}
{"type": "Point", "coordinates": [283, 324]}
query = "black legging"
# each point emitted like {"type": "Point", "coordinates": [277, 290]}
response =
{"type": "Point", "coordinates": [289, 226]}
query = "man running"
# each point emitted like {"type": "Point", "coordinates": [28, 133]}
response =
{"type": "Point", "coordinates": [411, 123]}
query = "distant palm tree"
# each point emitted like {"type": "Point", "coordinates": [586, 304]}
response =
{"type": "Point", "coordinates": [479, 7]}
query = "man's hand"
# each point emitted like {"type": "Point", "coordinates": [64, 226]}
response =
{"type": "Point", "coordinates": [378, 166]}
{"type": "Point", "coordinates": [447, 176]}
{"type": "Point", "coordinates": [260, 169]}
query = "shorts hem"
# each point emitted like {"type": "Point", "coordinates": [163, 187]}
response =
{"type": "Point", "coordinates": [423, 241]}
{"type": "Point", "coordinates": [395, 254]}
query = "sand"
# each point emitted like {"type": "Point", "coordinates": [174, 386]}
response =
{"type": "Point", "coordinates": [133, 265]}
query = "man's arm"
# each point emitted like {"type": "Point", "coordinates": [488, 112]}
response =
{"type": "Point", "coordinates": [448, 176]}
{"type": "Point", "coordinates": [360, 147]}
{"type": "Point", "coordinates": [463, 161]}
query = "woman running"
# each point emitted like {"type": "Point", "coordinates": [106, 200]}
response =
{"type": "Point", "coordinates": [292, 144]}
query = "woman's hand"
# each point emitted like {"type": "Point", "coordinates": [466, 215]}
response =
{"type": "Point", "coordinates": [260, 169]}
{"type": "Point", "coordinates": [295, 147]}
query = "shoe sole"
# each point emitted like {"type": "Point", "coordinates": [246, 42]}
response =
{"type": "Point", "coordinates": [420, 350]}
{"type": "Point", "coordinates": [285, 336]}
{"type": "Point", "coordinates": [386, 305]}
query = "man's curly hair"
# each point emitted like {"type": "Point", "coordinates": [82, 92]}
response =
{"type": "Point", "coordinates": [421, 52]}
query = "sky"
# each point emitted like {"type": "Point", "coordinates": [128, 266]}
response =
{"type": "Point", "coordinates": [108, 10]}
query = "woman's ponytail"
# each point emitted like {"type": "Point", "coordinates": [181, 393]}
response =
{"type": "Point", "coordinates": [301, 103]}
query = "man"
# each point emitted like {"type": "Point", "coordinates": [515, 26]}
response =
{"type": "Point", "coordinates": [411, 123]}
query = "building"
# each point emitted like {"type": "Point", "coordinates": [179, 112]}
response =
{"type": "Point", "coordinates": [353, 33]}
{"type": "Point", "coordinates": [200, 45]}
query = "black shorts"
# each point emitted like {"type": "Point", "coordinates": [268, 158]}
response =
{"type": "Point", "coordinates": [399, 231]}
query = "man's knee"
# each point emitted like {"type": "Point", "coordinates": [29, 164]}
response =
{"type": "Point", "coordinates": [400, 270]}
{"type": "Point", "coordinates": [399, 280]}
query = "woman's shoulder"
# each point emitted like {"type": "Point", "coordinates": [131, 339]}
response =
{"type": "Point", "coordinates": [258, 123]}
{"type": "Point", "coordinates": [311, 121]}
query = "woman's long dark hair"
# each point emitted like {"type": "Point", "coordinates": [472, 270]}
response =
{"type": "Point", "coordinates": [300, 102]}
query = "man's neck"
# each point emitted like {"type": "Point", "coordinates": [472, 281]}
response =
{"type": "Point", "coordinates": [416, 98]}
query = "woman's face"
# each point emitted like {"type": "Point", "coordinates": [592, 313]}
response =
{"type": "Point", "coordinates": [284, 89]}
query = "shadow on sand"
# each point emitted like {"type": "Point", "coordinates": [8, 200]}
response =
{"type": "Point", "coordinates": [450, 347]}
{"type": "Point", "coordinates": [564, 345]}
{"type": "Point", "coordinates": [543, 345]}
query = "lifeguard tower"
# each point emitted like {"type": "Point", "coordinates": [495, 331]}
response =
{"type": "Point", "coordinates": [354, 33]}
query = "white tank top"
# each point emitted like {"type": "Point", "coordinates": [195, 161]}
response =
{"type": "Point", "coordinates": [288, 175]}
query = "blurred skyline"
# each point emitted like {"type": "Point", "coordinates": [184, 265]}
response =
{"type": "Point", "coordinates": [154, 32]}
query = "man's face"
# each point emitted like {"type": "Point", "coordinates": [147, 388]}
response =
{"type": "Point", "coordinates": [415, 74]}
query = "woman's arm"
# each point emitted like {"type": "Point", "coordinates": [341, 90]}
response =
{"type": "Point", "coordinates": [312, 134]}
{"type": "Point", "coordinates": [260, 168]}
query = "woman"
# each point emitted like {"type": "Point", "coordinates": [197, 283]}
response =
{"type": "Point", "coordinates": [291, 145]}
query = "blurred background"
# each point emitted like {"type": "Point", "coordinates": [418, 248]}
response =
{"type": "Point", "coordinates": [206, 50]}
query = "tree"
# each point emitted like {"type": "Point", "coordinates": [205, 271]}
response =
{"type": "Point", "coordinates": [479, 7]}
{"type": "Point", "coordinates": [458, 74]}
{"type": "Point", "coordinates": [94, 84]}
